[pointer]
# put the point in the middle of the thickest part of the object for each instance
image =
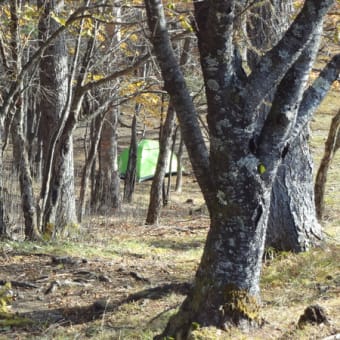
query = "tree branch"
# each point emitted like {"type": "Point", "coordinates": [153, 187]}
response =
{"type": "Point", "coordinates": [93, 84]}
{"type": "Point", "coordinates": [214, 28]}
{"type": "Point", "coordinates": [175, 85]}
{"type": "Point", "coordinates": [287, 99]}
{"type": "Point", "coordinates": [275, 63]}
{"type": "Point", "coordinates": [15, 87]}
{"type": "Point", "coordinates": [314, 95]}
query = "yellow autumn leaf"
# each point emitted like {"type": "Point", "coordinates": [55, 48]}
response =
{"type": "Point", "coordinates": [124, 46]}
{"type": "Point", "coordinates": [134, 37]}
{"type": "Point", "coordinates": [100, 37]}
{"type": "Point", "coordinates": [185, 23]}
{"type": "Point", "coordinates": [97, 77]}
{"type": "Point", "coordinates": [59, 20]}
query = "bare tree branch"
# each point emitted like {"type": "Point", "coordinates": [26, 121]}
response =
{"type": "Point", "coordinates": [275, 63]}
{"type": "Point", "coordinates": [284, 109]}
{"type": "Point", "coordinates": [175, 84]}
{"type": "Point", "coordinates": [315, 94]}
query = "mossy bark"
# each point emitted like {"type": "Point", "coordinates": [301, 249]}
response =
{"type": "Point", "coordinates": [237, 173]}
{"type": "Point", "coordinates": [229, 306]}
{"type": "Point", "coordinates": [226, 290]}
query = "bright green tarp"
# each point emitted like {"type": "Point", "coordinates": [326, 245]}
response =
{"type": "Point", "coordinates": [147, 155]}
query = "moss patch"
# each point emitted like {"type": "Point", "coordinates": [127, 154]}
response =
{"type": "Point", "coordinates": [241, 305]}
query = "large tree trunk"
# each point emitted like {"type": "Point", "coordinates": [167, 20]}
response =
{"type": "Point", "coordinates": [292, 224]}
{"type": "Point", "coordinates": [60, 206]}
{"type": "Point", "coordinates": [226, 290]}
{"type": "Point", "coordinates": [107, 180]}
{"type": "Point", "coordinates": [236, 176]}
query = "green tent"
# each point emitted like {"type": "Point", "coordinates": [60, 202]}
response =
{"type": "Point", "coordinates": [147, 155]}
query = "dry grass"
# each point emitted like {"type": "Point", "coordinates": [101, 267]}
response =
{"type": "Point", "coordinates": [156, 263]}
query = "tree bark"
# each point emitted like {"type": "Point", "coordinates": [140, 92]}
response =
{"type": "Point", "coordinates": [331, 146]}
{"type": "Point", "coordinates": [292, 224]}
{"type": "Point", "coordinates": [156, 193]}
{"type": "Point", "coordinates": [235, 178]}
{"type": "Point", "coordinates": [3, 214]}
{"type": "Point", "coordinates": [130, 175]}
{"type": "Point", "coordinates": [25, 178]}
{"type": "Point", "coordinates": [19, 143]}
{"type": "Point", "coordinates": [60, 205]}
{"type": "Point", "coordinates": [179, 154]}
{"type": "Point", "coordinates": [109, 194]}
{"type": "Point", "coordinates": [90, 161]}
{"type": "Point", "coordinates": [155, 202]}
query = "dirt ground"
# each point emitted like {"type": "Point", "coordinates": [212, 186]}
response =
{"type": "Point", "coordinates": [116, 278]}
{"type": "Point", "coordinates": [120, 279]}
{"type": "Point", "coordinates": [71, 285]}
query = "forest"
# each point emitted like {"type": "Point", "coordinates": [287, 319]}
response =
{"type": "Point", "coordinates": [169, 169]}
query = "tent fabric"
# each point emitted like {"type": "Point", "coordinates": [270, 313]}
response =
{"type": "Point", "coordinates": [147, 156]}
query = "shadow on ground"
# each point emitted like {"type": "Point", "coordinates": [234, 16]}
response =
{"type": "Point", "coordinates": [177, 245]}
{"type": "Point", "coordinates": [83, 314]}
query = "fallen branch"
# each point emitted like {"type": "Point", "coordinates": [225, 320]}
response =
{"type": "Point", "coordinates": [21, 284]}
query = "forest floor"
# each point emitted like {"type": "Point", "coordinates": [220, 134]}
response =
{"type": "Point", "coordinates": [116, 278]}
{"type": "Point", "coordinates": [123, 281]}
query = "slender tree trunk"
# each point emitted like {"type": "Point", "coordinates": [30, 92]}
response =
{"type": "Point", "coordinates": [66, 212]}
{"type": "Point", "coordinates": [179, 154]}
{"type": "Point", "coordinates": [331, 146]}
{"type": "Point", "coordinates": [115, 175]}
{"type": "Point", "coordinates": [166, 197]}
{"type": "Point", "coordinates": [60, 175]}
{"type": "Point", "coordinates": [155, 202]}
{"type": "Point", "coordinates": [32, 125]}
{"type": "Point", "coordinates": [156, 193]}
{"type": "Point", "coordinates": [90, 160]}
{"type": "Point", "coordinates": [3, 222]}
{"type": "Point", "coordinates": [25, 179]}
{"type": "Point", "coordinates": [3, 214]}
{"type": "Point", "coordinates": [130, 175]}
{"type": "Point", "coordinates": [108, 176]}
{"type": "Point", "coordinates": [19, 142]}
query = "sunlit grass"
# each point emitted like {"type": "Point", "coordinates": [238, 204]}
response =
{"type": "Point", "coordinates": [166, 253]}
{"type": "Point", "coordinates": [300, 276]}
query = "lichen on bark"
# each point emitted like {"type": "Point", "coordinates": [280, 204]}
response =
{"type": "Point", "coordinates": [240, 308]}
